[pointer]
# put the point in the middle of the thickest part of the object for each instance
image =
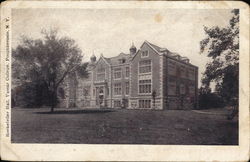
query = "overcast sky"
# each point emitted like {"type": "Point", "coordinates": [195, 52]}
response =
{"type": "Point", "coordinates": [111, 31]}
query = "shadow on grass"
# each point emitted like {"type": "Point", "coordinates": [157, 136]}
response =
{"type": "Point", "coordinates": [75, 111]}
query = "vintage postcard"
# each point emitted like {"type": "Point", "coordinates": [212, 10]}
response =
{"type": "Point", "coordinates": [124, 81]}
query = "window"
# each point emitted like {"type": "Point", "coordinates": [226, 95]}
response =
{"type": "Point", "coordinates": [127, 71]}
{"type": "Point", "coordinates": [182, 89]}
{"type": "Point", "coordinates": [117, 103]}
{"type": "Point", "coordinates": [171, 67]}
{"type": "Point", "coordinates": [144, 54]}
{"type": "Point", "coordinates": [145, 86]}
{"type": "Point", "coordinates": [117, 73]}
{"type": "Point", "coordinates": [191, 74]}
{"type": "Point", "coordinates": [171, 86]}
{"type": "Point", "coordinates": [145, 66]}
{"type": "Point", "coordinates": [100, 74]}
{"type": "Point", "coordinates": [127, 88]}
{"type": "Point", "coordinates": [182, 71]}
{"type": "Point", "coordinates": [187, 73]}
{"type": "Point", "coordinates": [117, 89]}
{"type": "Point", "coordinates": [61, 93]}
{"type": "Point", "coordinates": [86, 91]}
{"type": "Point", "coordinates": [192, 88]}
{"type": "Point", "coordinates": [122, 61]}
{"type": "Point", "coordinates": [144, 103]}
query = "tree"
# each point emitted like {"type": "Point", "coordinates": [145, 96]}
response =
{"type": "Point", "coordinates": [209, 99]}
{"type": "Point", "coordinates": [47, 61]}
{"type": "Point", "coordinates": [222, 46]}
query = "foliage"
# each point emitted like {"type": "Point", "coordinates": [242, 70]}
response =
{"type": "Point", "coordinates": [29, 95]}
{"type": "Point", "coordinates": [207, 99]}
{"type": "Point", "coordinates": [47, 61]}
{"type": "Point", "coordinates": [222, 46]}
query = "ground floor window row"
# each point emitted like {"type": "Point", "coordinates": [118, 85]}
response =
{"type": "Point", "coordinates": [144, 103]}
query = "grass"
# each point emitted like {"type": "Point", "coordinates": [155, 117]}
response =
{"type": "Point", "coordinates": [122, 127]}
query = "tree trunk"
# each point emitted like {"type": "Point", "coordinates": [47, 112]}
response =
{"type": "Point", "coordinates": [52, 102]}
{"type": "Point", "coordinates": [53, 99]}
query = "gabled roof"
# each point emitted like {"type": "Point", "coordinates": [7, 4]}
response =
{"type": "Point", "coordinates": [115, 60]}
{"type": "Point", "coordinates": [163, 51]}
{"type": "Point", "coordinates": [157, 48]}
{"type": "Point", "coordinates": [105, 60]}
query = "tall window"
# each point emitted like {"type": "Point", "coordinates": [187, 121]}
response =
{"type": "Point", "coordinates": [171, 67]}
{"type": "Point", "coordinates": [100, 74]}
{"type": "Point", "coordinates": [171, 86]}
{"type": "Point", "coordinates": [127, 72]}
{"type": "Point", "coordinates": [127, 88]}
{"type": "Point", "coordinates": [182, 71]}
{"type": "Point", "coordinates": [145, 66]}
{"type": "Point", "coordinates": [187, 73]}
{"type": "Point", "coordinates": [117, 89]}
{"type": "Point", "coordinates": [182, 89]}
{"type": "Point", "coordinates": [144, 103]}
{"type": "Point", "coordinates": [192, 74]}
{"type": "Point", "coordinates": [86, 91]}
{"type": "Point", "coordinates": [192, 88]}
{"type": "Point", "coordinates": [144, 54]}
{"type": "Point", "coordinates": [145, 86]}
{"type": "Point", "coordinates": [117, 73]}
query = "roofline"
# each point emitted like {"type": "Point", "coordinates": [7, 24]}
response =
{"type": "Point", "coordinates": [135, 54]}
{"type": "Point", "coordinates": [101, 57]}
{"type": "Point", "coordinates": [181, 61]}
{"type": "Point", "coordinates": [151, 47]}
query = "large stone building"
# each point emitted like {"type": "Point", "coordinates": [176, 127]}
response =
{"type": "Point", "coordinates": [149, 78]}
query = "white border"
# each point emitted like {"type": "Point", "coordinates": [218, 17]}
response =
{"type": "Point", "coordinates": [81, 152]}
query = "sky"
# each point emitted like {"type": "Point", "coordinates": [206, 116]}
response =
{"type": "Point", "coordinates": [112, 31]}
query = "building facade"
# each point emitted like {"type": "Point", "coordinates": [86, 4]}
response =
{"type": "Point", "coordinates": [149, 78]}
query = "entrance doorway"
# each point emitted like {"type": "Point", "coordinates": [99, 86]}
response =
{"type": "Point", "coordinates": [100, 96]}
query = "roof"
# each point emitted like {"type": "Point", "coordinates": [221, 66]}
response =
{"type": "Point", "coordinates": [166, 52]}
{"type": "Point", "coordinates": [116, 60]}
{"type": "Point", "coordinates": [157, 48]}
{"type": "Point", "coordinates": [112, 61]}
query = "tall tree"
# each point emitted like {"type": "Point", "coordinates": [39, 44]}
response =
{"type": "Point", "coordinates": [48, 61]}
{"type": "Point", "coordinates": [222, 46]}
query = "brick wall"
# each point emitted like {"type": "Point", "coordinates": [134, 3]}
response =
{"type": "Point", "coordinates": [134, 95]}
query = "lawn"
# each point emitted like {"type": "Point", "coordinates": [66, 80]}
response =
{"type": "Point", "coordinates": [122, 127]}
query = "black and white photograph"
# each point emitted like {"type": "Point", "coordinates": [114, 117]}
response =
{"type": "Point", "coordinates": [129, 76]}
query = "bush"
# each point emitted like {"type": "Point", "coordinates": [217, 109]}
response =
{"type": "Point", "coordinates": [207, 99]}
{"type": "Point", "coordinates": [30, 95]}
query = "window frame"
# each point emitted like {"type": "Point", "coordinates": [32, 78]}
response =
{"type": "Point", "coordinates": [98, 73]}
{"type": "Point", "coordinates": [127, 76]}
{"type": "Point", "coordinates": [114, 72]}
{"type": "Point", "coordinates": [139, 73]}
{"type": "Point", "coordinates": [144, 103]}
{"type": "Point", "coordinates": [151, 84]}
{"type": "Point", "coordinates": [127, 88]}
{"type": "Point", "coordinates": [143, 54]}
{"type": "Point", "coordinates": [114, 90]}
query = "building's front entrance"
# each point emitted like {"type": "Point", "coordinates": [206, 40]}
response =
{"type": "Point", "coordinates": [100, 96]}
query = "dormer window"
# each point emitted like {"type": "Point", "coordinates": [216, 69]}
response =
{"type": "Point", "coordinates": [144, 54]}
{"type": "Point", "coordinates": [122, 61]}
